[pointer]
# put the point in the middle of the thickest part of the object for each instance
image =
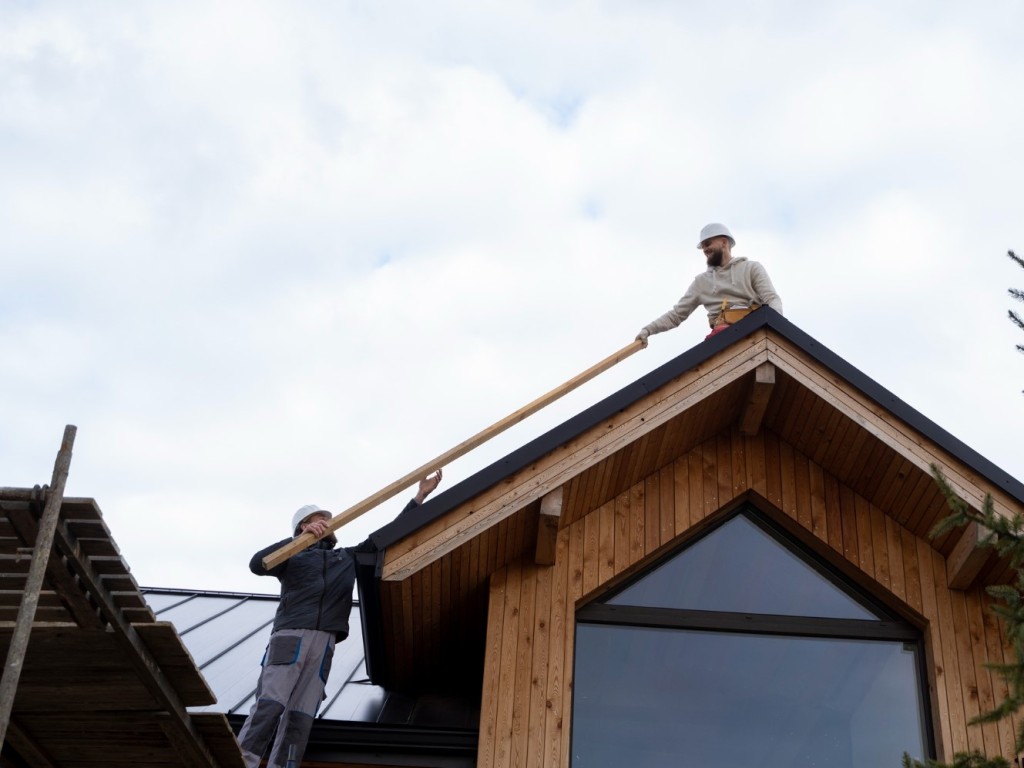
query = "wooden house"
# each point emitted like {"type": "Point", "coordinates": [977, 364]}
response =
{"type": "Point", "coordinates": [727, 562]}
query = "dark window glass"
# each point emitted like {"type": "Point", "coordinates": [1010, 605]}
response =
{"type": "Point", "coordinates": [740, 568]}
{"type": "Point", "coordinates": [738, 652]}
{"type": "Point", "coordinates": [647, 698]}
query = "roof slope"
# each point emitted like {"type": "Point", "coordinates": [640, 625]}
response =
{"type": "Point", "coordinates": [424, 591]}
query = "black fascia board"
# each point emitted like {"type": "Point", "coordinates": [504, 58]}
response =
{"type": "Point", "coordinates": [377, 743]}
{"type": "Point", "coordinates": [603, 410]}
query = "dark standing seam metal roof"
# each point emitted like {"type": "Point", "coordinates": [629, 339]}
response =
{"type": "Point", "coordinates": [358, 722]}
{"type": "Point", "coordinates": [370, 567]}
{"type": "Point", "coordinates": [227, 632]}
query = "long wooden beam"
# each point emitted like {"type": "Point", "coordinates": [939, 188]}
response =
{"type": "Point", "coordinates": [430, 544]}
{"type": "Point", "coordinates": [304, 540]}
{"type": "Point", "coordinates": [967, 558]}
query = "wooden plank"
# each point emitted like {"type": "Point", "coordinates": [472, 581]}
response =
{"type": "Point", "coordinates": [520, 693]}
{"type": "Point", "coordinates": [879, 546]}
{"type": "Point", "coordinates": [591, 554]}
{"type": "Point", "coordinates": [998, 651]}
{"type": "Point", "coordinates": [695, 469]}
{"type": "Point", "coordinates": [620, 506]}
{"type": "Point", "coordinates": [681, 492]}
{"type": "Point", "coordinates": [833, 513]}
{"type": "Point", "coordinates": [957, 713]}
{"type": "Point", "coordinates": [757, 400]}
{"type": "Point", "coordinates": [32, 753]}
{"type": "Point", "coordinates": [865, 539]}
{"type": "Point", "coordinates": [507, 675]}
{"type": "Point", "coordinates": [851, 536]}
{"type": "Point", "coordinates": [617, 433]}
{"type": "Point", "coordinates": [558, 639]}
{"type": "Point", "coordinates": [606, 541]}
{"type": "Point", "coordinates": [548, 520]}
{"type": "Point", "coordinates": [965, 663]}
{"type": "Point", "coordinates": [819, 509]}
{"type": "Point", "coordinates": [787, 477]}
{"type": "Point", "coordinates": [983, 677]}
{"type": "Point", "coordinates": [894, 547]}
{"type": "Point", "coordinates": [938, 682]}
{"type": "Point", "coordinates": [666, 503]}
{"type": "Point", "coordinates": [651, 514]}
{"type": "Point", "coordinates": [305, 540]}
{"type": "Point", "coordinates": [538, 699]}
{"type": "Point", "coordinates": [802, 478]}
{"type": "Point", "coordinates": [967, 558]}
{"type": "Point", "coordinates": [911, 570]}
{"type": "Point", "coordinates": [723, 464]}
{"type": "Point", "coordinates": [709, 478]}
{"type": "Point", "coordinates": [575, 592]}
{"type": "Point", "coordinates": [491, 690]}
{"type": "Point", "coordinates": [636, 523]}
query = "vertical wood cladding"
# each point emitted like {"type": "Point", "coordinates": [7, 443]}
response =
{"type": "Point", "coordinates": [527, 695]}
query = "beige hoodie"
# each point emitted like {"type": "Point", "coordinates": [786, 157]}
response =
{"type": "Point", "coordinates": [741, 282]}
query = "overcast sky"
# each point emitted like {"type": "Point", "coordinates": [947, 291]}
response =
{"type": "Point", "coordinates": [265, 254]}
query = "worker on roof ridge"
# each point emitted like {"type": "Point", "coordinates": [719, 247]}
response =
{"type": "Point", "coordinates": [729, 284]}
{"type": "Point", "coordinates": [312, 616]}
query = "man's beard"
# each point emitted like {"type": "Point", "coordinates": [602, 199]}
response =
{"type": "Point", "coordinates": [715, 257]}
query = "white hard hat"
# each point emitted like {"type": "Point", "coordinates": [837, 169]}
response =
{"type": "Point", "coordinates": [303, 512]}
{"type": "Point", "coordinates": [715, 230]}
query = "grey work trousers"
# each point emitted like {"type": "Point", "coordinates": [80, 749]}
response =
{"type": "Point", "coordinates": [291, 687]}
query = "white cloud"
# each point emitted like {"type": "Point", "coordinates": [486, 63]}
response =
{"type": "Point", "coordinates": [268, 254]}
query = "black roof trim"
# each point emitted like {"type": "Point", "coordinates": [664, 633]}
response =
{"type": "Point", "coordinates": [577, 425]}
{"type": "Point", "coordinates": [376, 743]}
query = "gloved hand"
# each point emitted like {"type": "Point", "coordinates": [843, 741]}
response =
{"type": "Point", "coordinates": [642, 336]}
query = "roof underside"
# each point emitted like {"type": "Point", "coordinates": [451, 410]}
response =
{"type": "Point", "coordinates": [431, 599]}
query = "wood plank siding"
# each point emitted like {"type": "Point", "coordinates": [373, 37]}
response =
{"type": "Point", "coordinates": [528, 664]}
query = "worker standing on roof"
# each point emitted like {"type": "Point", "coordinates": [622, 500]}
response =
{"type": "Point", "coordinates": [316, 599]}
{"type": "Point", "coordinates": [729, 284]}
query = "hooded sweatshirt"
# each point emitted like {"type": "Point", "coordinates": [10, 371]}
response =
{"type": "Point", "coordinates": [740, 282]}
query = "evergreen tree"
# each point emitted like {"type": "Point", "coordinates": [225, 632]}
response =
{"type": "Point", "coordinates": [1007, 537]}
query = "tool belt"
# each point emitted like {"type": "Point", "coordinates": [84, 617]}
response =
{"type": "Point", "coordinates": [735, 314]}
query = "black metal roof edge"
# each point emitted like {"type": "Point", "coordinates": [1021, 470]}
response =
{"type": "Point", "coordinates": [371, 615]}
{"type": "Point", "coordinates": [576, 425]}
{"type": "Point", "coordinates": [386, 737]}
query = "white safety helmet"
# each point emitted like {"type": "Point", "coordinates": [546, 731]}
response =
{"type": "Point", "coordinates": [302, 513]}
{"type": "Point", "coordinates": [715, 230]}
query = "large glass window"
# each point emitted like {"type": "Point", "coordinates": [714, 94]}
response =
{"type": "Point", "coordinates": [741, 650]}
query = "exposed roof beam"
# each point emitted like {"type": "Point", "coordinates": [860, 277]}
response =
{"type": "Point", "coordinates": [757, 401]}
{"type": "Point", "coordinates": [547, 526]}
{"type": "Point", "coordinates": [967, 558]}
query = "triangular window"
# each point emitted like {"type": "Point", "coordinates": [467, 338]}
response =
{"type": "Point", "coordinates": [740, 567]}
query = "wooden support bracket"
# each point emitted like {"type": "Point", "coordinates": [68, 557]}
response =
{"type": "Point", "coordinates": [757, 401]}
{"type": "Point", "coordinates": [967, 558]}
{"type": "Point", "coordinates": [547, 526]}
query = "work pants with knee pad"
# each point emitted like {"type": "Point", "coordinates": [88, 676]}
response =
{"type": "Point", "coordinates": [291, 687]}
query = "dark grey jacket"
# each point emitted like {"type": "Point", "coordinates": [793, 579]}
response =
{"type": "Point", "coordinates": [316, 584]}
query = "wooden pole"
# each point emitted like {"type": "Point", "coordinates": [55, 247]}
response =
{"type": "Point", "coordinates": [302, 541]}
{"type": "Point", "coordinates": [34, 582]}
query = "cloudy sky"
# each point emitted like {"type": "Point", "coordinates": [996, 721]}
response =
{"type": "Point", "coordinates": [266, 254]}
